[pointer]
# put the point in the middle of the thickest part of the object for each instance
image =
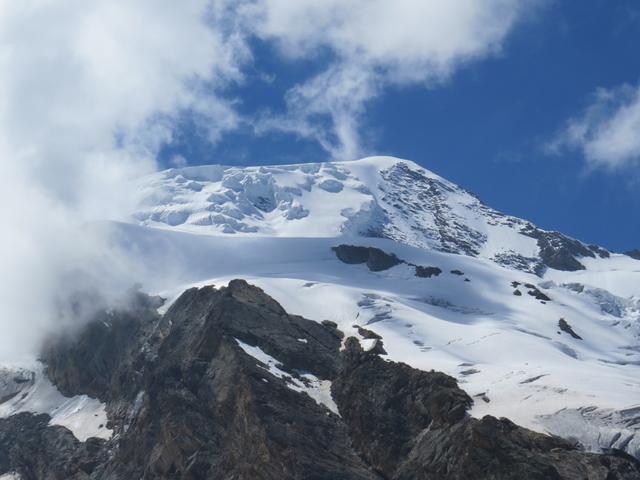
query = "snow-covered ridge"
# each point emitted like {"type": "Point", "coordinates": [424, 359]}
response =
{"type": "Point", "coordinates": [373, 197]}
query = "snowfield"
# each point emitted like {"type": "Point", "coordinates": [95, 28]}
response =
{"type": "Point", "coordinates": [507, 351]}
{"type": "Point", "coordinates": [27, 389]}
{"type": "Point", "coordinates": [491, 318]}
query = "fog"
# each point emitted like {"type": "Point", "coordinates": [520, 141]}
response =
{"type": "Point", "coordinates": [88, 93]}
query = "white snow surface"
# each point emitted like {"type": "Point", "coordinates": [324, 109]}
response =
{"type": "Point", "coordinates": [33, 392]}
{"type": "Point", "coordinates": [10, 476]}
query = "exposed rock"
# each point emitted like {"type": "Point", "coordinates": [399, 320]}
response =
{"type": "Point", "coordinates": [368, 334]}
{"type": "Point", "coordinates": [228, 385]}
{"type": "Point", "coordinates": [427, 272]}
{"type": "Point", "coordinates": [598, 250]}
{"type": "Point", "coordinates": [493, 448]}
{"type": "Point", "coordinates": [30, 446]}
{"type": "Point", "coordinates": [205, 408]}
{"type": "Point", "coordinates": [559, 251]}
{"type": "Point", "coordinates": [420, 202]}
{"type": "Point", "coordinates": [633, 253]}
{"type": "Point", "coordinates": [386, 405]}
{"type": "Point", "coordinates": [565, 327]}
{"type": "Point", "coordinates": [536, 293]}
{"type": "Point", "coordinates": [376, 259]}
{"type": "Point", "coordinates": [517, 292]}
{"type": "Point", "coordinates": [457, 272]}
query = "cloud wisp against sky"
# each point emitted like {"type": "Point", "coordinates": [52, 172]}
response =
{"type": "Point", "coordinates": [374, 45]}
{"type": "Point", "coordinates": [607, 133]}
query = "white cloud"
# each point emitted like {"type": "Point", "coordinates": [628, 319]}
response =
{"type": "Point", "coordinates": [608, 131]}
{"type": "Point", "coordinates": [88, 93]}
{"type": "Point", "coordinates": [374, 43]}
{"type": "Point", "coordinates": [340, 92]}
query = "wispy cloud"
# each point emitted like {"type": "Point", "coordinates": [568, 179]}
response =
{"type": "Point", "coordinates": [373, 44]}
{"type": "Point", "coordinates": [88, 93]}
{"type": "Point", "coordinates": [607, 132]}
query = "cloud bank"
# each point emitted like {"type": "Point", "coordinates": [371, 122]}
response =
{"type": "Point", "coordinates": [88, 93]}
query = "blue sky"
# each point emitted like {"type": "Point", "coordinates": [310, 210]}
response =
{"type": "Point", "coordinates": [486, 127]}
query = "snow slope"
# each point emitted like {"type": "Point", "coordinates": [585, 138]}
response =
{"type": "Point", "coordinates": [27, 389]}
{"type": "Point", "coordinates": [507, 351]}
{"type": "Point", "coordinates": [275, 226]}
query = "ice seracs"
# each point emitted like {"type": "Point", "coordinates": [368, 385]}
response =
{"type": "Point", "coordinates": [373, 197]}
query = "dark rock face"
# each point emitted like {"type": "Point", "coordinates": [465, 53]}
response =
{"type": "Point", "coordinates": [387, 405]}
{"type": "Point", "coordinates": [186, 401]}
{"type": "Point", "coordinates": [536, 293]}
{"type": "Point", "coordinates": [412, 424]}
{"type": "Point", "coordinates": [633, 253]}
{"type": "Point", "coordinates": [427, 272]}
{"type": "Point", "coordinates": [87, 364]}
{"type": "Point", "coordinates": [560, 252]}
{"type": "Point", "coordinates": [207, 411]}
{"type": "Point", "coordinates": [565, 327]}
{"type": "Point", "coordinates": [39, 451]}
{"type": "Point", "coordinates": [376, 259]}
{"type": "Point", "coordinates": [493, 448]}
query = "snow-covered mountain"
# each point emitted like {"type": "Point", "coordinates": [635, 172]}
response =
{"type": "Point", "coordinates": [373, 197]}
{"type": "Point", "coordinates": [493, 318]}
{"type": "Point", "coordinates": [535, 326]}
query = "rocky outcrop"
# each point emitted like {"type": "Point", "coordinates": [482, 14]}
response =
{"type": "Point", "coordinates": [635, 253]}
{"type": "Point", "coordinates": [377, 260]}
{"type": "Point", "coordinates": [387, 405]}
{"type": "Point", "coordinates": [427, 272]}
{"type": "Point", "coordinates": [492, 448]}
{"type": "Point", "coordinates": [30, 446]}
{"type": "Point", "coordinates": [561, 252]}
{"type": "Point", "coordinates": [228, 385]}
{"type": "Point", "coordinates": [565, 327]}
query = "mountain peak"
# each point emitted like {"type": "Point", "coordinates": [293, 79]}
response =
{"type": "Point", "coordinates": [377, 196]}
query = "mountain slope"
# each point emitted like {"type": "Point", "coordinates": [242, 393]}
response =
{"type": "Point", "coordinates": [495, 333]}
{"type": "Point", "coordinates": [534, 326]}
{"type": "Point", "coordinates": [227, 384]}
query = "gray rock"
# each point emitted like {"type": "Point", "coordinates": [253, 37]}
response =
{"type": "Point", "coordinates": [186, 401]}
